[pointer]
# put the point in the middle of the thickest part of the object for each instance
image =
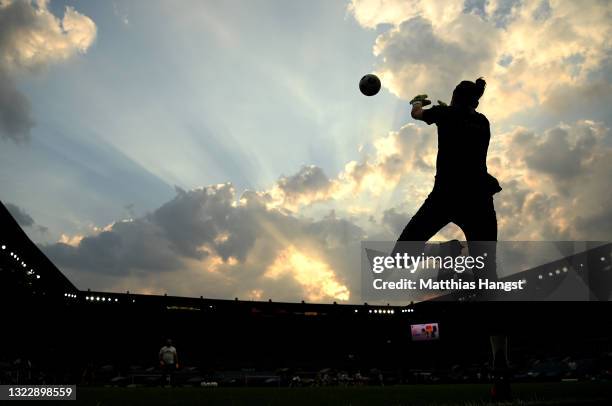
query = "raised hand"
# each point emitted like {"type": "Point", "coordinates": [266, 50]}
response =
{"type": "Point", "coordinates": [421, 99]}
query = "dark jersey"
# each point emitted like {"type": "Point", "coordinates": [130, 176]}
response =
{"type": "Point", "coordinates": [463, 140]}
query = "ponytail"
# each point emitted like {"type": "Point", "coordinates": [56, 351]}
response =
{"type": "Point", "coordinates": [479, 88]}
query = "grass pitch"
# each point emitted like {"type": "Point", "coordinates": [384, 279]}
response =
{"type": "Point", "coordinates": [560, 393]}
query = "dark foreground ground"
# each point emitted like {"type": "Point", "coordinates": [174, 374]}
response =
{"type": "Point", "coordinates": [561, 393]}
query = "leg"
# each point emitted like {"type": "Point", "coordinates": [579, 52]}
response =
{"type": "Point", "coordinates": [501, 389]}
{"type": "Point", "coordinates": [479, 224]}
{"type": "Point", "coordinates": [427, 221]}
{"type": "Point", "coordinates": [499, 346]}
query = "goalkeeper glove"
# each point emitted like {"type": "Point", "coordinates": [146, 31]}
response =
{"type": "Point", "coordinates": [420, 99]}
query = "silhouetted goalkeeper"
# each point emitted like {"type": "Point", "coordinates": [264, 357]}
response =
{"type": "Point", "coordinates": [463, 189]}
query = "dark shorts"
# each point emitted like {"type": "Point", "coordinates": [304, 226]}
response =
{"type": "Point", "coordinates": [474, 214]}
{"type": "Point", "coordinates": [168, 368]}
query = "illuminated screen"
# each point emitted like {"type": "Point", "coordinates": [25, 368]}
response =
{"type": "Point", "coordinates": [425, 332]}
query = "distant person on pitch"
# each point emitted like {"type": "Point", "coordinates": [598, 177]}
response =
{"type": "Point", "coordinates": [168, 360]}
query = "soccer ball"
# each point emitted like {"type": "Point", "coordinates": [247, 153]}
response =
{"type": "Point", "coordinates": [369, 85]}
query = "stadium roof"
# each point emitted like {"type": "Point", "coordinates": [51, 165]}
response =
{"type": "Point", "coordinates": [28, 256]}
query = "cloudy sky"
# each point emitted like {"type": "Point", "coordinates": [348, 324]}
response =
{"type": "Point", "coordinates": [223, 149]}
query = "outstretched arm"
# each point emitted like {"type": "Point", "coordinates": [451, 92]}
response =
{"type": "Point", "coordinates": [430, 116]}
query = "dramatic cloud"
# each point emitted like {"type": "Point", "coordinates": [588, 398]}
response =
{"type": "Point", "coordinates": [393, 155]}
{"type": "Point", "coordinates": [416, 59]}
{"type": "Point", "coordinates": [371, 13]}
{"type": "Point", "coordinates": [316, 277]}
{"type": "Point", "coordinates": [533, 53]}
{"type": "Point", "coordinates": [555, 183]}
{"type": "Point", "coordinates": [213, 243]}
{"type": "Point", "coordinates": [310, 184]}
{"type": "Point", "coordinates": [31, 37]}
